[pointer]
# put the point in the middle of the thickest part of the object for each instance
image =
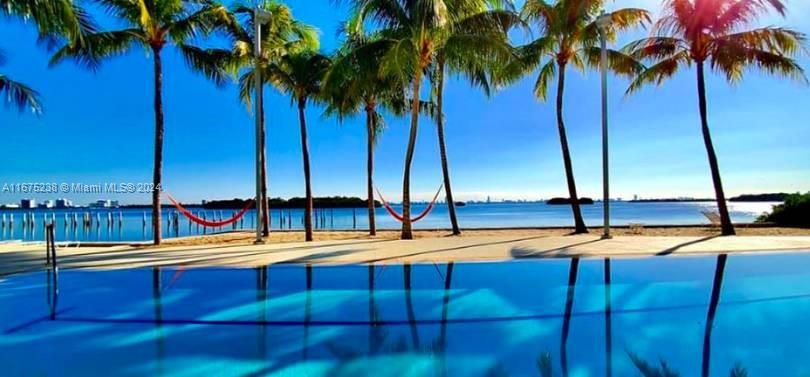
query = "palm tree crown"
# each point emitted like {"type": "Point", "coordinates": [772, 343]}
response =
{"type": "Point", "coordinates": [151, 24]}
{"type": "Point", "coordinates": [697, 31]}
{"type": "Point", "coordinates": [569, 34]}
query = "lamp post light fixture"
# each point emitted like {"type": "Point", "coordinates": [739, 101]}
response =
{"type": "Point", "coordinates": [603, 22]}
{"type": "Point", "coordinates": [260, 17]}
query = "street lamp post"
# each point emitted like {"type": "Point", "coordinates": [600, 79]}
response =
{"type": "Point", "coordinates": [603, 22]}
{"type": "Point", "coordinates": [260, 17]}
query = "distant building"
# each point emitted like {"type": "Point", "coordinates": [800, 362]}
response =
{"type": "Point", "coordinates": [114, 204]}
{"type": "Point", "coordinates": [46, 204]}
{"type": "Point", "coordinates": [10, 205]}
{"type": "Point", "coordinates": [28, 203]}
{"type": "Point", "coordinates": [63, 203]}
{"type": "Point", "coordinates": [101, 203]}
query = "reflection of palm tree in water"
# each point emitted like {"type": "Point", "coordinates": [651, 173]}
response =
{"type": "Point", "coordinates": [157, 301]}
{"type": "Point", "coordinates": [406, 271]}
{"type": "Point", "coordinates": [307, 312]}
{"type": "Point", "coordinates": [569, 305]}
{"type": "Point", "coordinates": [379, 336]}
{"type": "Point", "coordinates": [663, 370]}
{"type": "Point", "coordinates": [261, 299]}
{"type": "Point", "coordinates": [608, 323]}
{"type": "Point", "coordinates": [719, 272]}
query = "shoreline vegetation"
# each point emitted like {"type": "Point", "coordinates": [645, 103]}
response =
{"type": "Point", "coordinates": [394, 56]}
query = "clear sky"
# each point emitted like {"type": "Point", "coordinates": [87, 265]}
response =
{"type": "Point", "coordinates": [99, 128]}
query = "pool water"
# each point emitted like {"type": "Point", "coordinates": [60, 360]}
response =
{"type": "Point", "coordinates": [739, 315]}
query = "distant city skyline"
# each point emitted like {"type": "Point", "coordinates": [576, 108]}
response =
{"type": "Point", "coordinates": [97, 128]}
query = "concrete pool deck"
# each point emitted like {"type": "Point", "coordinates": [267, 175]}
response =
{"type": "Point", "coordinates": [21, 257]}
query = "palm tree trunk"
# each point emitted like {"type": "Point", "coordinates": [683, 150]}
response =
{"type": "Point", "coordinates": [158, 161]}
{"type": "Point", "coordinates": [370, 131]}
{"type": "Point", "coordinates": [725, 219]}
{"type": "Point", "coordinates": [579, 223]}
{"type": "Point", "coordinates": [263, 158]}
{"type": "Point", "coordinates": [307, 177]}
{"type": "Point", "coordinates": [451, 204]}
{"type": "Point", "coordinates": [407, 231]}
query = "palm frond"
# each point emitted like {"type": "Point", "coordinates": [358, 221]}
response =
{"type": "Point", "coordinates": [204, 21]}
{"type": "Point", "coordinates": [19, 95]}
{"type": "Point", "coordinates": [400, 61]}
{"type": "Point", "coordinates": [547, 73]}
{"type": "Point", "coordinates": [780, 40]}
{"type": "Point", "coordinates": [655, 48]}
{"type": "Point", "coordinates": [733, 59]}
{"type": "Point", "coordinates": [660, 72]}
{"type": "Point", "coordinates": [214, 64]}
{"type": "Point", "coordinates": [99, 46]}
{"type": "Point", "coordinates": [648, 370]}
{"type": "Point", "coordinates": [619, 21]}
{"type": "Point", "coordinates": [618, 62]}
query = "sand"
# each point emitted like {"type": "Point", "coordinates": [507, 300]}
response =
{"type": "Point", "coordinates": [238, 250]}
{"type": "Point", "coordinates": [247, 238]}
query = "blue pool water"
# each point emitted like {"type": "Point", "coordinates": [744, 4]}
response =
{"type": "Point", "coordinates": [698, 316]}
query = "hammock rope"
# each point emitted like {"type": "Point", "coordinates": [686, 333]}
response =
{"type": "Point", "coordinates": [398, 217]}
{"type": "Point", "coordinates": [207, 223]}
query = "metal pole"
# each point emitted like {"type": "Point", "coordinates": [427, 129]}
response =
{"type": "Point", "coordinates": [257, 49]}
{"type": "Point", "coordinates": [605, 167]}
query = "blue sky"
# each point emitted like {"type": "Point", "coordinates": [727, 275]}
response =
{"type": "Point", "coordinates": [98, 128]}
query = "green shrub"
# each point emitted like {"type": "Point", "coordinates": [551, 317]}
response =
{"type": "Point", "coordinates": [795, 211]}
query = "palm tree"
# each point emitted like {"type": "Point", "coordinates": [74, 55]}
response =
{"type": "Point", "coordinates": [300, 76]}
{"type": "Point", "coordinates": [716, 32]}
{"type": "Point", "coordinates": [412, 33]}
{"type": "Point", "coordinates": [281, 35]}
{"type": "Point", "coordinates": [472, 46]}
{"type": "Point", "coordinates": [353, 85]}
{"type": "Point", "coordinates": [17, 94]}
{"type": "Point", "coordinates": [570, 35]}
{"type": "Point", "coordinates": [152, 24]}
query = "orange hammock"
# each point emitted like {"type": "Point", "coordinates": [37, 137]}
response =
{"type": "Point", "coordinates": [398, 217]}
{"type": "Point", "coordinates": [204, 222]}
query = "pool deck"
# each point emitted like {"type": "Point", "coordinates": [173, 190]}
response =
{"type": "Point", "coordinates": [19, 257]}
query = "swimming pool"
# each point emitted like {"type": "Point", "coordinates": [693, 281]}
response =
{"type": "Point", "coordinates": [694, 316]}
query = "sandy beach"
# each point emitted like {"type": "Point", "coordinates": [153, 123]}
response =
{"type": "Point", "coordinates": [237, 249]}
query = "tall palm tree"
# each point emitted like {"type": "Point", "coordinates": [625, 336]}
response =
{"type": "Point", "coordinates": [152, 24]}
{"type": "Point", "coordinates": [474, 44]}
{"type": "Point", "coordinates": [300, 76]}
{"type": "Point", "coordinates": [281, 35]}
{"type": "Point", "coordinates": [717, 32]}
{"type": "Point", "coordinates": [353, 85]}
{"type": "Point", "coordinates": [411, 35]}
{"type": "Point", "coordinates": [17, 94]}
{"type": "Point", "coordinates": [570, 35]}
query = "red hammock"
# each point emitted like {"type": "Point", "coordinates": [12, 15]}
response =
{"type": "Point", "coordinates": [212, 224]}
{"type": "Point", "coordinates": [398, 217]}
